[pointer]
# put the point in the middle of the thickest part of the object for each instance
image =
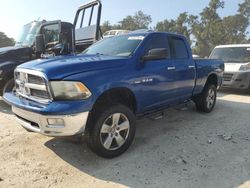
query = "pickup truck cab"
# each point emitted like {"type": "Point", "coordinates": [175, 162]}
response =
{"type": "Point", "coordinates": [102, 91]}
{"type": "Point", "coordinates": [237, 65]}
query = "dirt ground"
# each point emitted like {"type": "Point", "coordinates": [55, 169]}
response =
{"type": "Point", "coordinates": [184, 149]}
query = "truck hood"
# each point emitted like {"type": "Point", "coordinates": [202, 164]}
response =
{"type": "Point", "coordinates": [233, 67]}
{"type": "Point", "coordinates": [13, 52]}
{"type": "Point", "coordinates": [59, 67]}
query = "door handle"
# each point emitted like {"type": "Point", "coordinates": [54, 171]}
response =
{"type": "Point", "coordinates": [191, 66]}
{"type": "Point", "coordinates": [171, 68]}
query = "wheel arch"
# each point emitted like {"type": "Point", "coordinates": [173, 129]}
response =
{"type": "Point", "coordinates": [212, 79]}
{"type": "Point", "coordinates": [122, 95]}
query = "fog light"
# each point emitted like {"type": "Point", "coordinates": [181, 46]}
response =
{"type": "Point", "coordinates": [55, 121]}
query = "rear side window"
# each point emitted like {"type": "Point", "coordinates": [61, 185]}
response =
{"type": "Point", "coordinates": [178, 48]}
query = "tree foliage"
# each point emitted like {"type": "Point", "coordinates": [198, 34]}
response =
{"type": "Point", "coordinates": [203, 31]}
{"type": "Point", "coordinates": [181, 25]}
{"type": "Point", "coordinates": [6, 41]}
{"type": "Point", "coordinates": [139, 21]}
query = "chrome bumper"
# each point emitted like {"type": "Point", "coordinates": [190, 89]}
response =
{"type": "Point", "coordinates": [68, 125]}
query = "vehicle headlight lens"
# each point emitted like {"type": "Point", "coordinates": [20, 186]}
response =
{"type": "Point", "coordinates": [245, 67]}
{"type": "Point", "coordinates": [69, 90]}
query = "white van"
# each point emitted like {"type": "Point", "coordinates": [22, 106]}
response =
{"type": "Point", "coordinates": [237, 64]}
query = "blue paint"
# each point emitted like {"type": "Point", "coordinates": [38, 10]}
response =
{"type": "Point", "coordinates": [152, 84]}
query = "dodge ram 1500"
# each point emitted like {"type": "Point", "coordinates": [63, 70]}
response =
{"type": "Point", "coordinates": [101, 92]}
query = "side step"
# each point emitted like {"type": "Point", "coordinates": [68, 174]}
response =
{"type": "Point", "coordinates": [153, 116]}
{"type": "Point", "coordinates": [157, 116]}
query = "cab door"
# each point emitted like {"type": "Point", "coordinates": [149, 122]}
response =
{"type": "Point", "coordinates": [183, 70]}
{"type": "Point", "coordinates": [156, 82]}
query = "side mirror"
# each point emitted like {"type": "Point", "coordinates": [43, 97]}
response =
{"type": "Point", "coordinates": [156, 54]}
{"type": "Point", "coordinates": [40, 44]}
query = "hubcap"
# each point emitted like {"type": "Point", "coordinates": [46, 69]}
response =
{"type": "Point", "coordinates": [114, 131]}
{"type": "Point", "coordinates": [210, 98]}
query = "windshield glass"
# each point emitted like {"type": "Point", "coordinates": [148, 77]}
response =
{"type": "Point", "coordinates": [116, 46]}
{"type": "Point", "coordinates": [233, 54]}
{"type": "Point", "coordinates": [28, 34]}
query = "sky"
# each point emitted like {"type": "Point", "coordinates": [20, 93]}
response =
{"type": "Point", "coordinates": [15, 13]}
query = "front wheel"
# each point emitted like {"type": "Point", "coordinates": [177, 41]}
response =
{"type": "Point", "coordinates": [9, 86]}
{"type": "Point", "coordinates": [111, 131]}
{"type": "Point", "coordinates": [205, 102]}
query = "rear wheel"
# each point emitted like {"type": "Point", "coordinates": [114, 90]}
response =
{"type": "Point", "coordinates": [205, 102]}
{"type": "Point", "coordinates": [111, 131]}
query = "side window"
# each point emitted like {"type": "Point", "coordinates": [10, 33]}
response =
{"type": "Point", "coordinates": [51, 33]}
{"type": "Point", "coordinates": [178, 48]}
{"type": "Point", "coordinates": [157, 41]}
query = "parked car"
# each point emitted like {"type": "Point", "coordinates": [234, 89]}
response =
{"type": "Point", "coordinates": [112, 33]}
{"type": "Point", "coordinates": [101, 92]}
{"type": "Point", "coordinates": [237, 65]}
{"type": "Point", "coordinates": [41, 39]}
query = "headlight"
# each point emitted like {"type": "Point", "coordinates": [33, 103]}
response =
{"type": "Point", "coordinates": [245, 67]}
{"type": "Point", "coordinates": [69, 90]}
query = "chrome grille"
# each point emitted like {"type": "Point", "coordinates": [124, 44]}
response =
{"type": "Point", "coordinates": [32, 85]}
{"type": "Point", "coordinates": [227, 76]}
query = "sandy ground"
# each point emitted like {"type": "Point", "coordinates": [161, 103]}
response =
{"type": "Point", "coordinates": [184, 149]}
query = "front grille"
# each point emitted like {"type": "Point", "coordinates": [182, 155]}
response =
{"type": "Point", "coordinates": [227, 76]}
{"type": "Point", "coordinates": [32, 85]}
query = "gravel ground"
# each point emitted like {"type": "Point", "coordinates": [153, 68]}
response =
{"type": "Point", "coordinates": [183, 149]}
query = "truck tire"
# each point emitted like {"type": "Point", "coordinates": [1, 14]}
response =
{"type": "Point", "coordinates": [111, 131]}
{"type": "Point", "coordinates": [8, 87]}
{"type": "Point", "coordinates": [205, 102]}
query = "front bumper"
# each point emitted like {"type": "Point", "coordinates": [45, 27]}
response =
{"type": "Point", "coordinates": [71, 124]}
{"type": "Point", "coordinates": [236, 80]}
{"type": "Point", "coordinates": [58, 118]}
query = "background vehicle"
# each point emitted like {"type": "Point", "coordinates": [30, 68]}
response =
{"type": "Point", "coordinates": [44, 39]}
{"type": "Point", "coordinates": [102, 91]}
{"type": "Point", "coordinates": [237, 65]}
{"type": "Point", "coordinates": [112, 33]}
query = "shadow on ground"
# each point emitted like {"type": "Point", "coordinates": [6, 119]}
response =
{"type": "Point", "coordinates": [170, 151]}
{"type": "Point", "coordinates": [229, 91]}
{"type": "Point", "coordinates": [4, 107]}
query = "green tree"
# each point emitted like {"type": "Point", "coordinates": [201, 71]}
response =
{"type": "Point", "coordinates": [6, 41]}
{"type": "Point", "coordinates": [181, 25]}
{"type": "Point", "coordinates": [139, 21]}
{"type": "Point", "coordinates": [211, 30]}
{"type": "Point", "coordinates": [235, 29]}
{"type": "Point", "coordinates": [244, 8]}
{"type": "Point", "coordinates": [208, 31]}
{"type": "Point", "coordinates": [106, 26]}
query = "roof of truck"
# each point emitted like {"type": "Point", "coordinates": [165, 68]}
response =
{"type": "Point", "coordinates": [233, 46]}
{"type": "Point", "coordinates": [148, 32]}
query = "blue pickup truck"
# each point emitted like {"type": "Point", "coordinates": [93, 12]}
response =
{"type": "Point", "coordinates": [101, 92]}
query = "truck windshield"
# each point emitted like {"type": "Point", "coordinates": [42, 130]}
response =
{"type": "Point", "coordinates": [28, 34]}
{"type": "Point", "coordinates": [233, 54]}
{"type": "Point", "coordinates": [123, 45]}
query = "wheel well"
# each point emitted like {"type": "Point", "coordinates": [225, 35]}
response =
{"type": "Point", "coordinates": [118, 95]}
{"type": "Point", "coordinates": [212, 79]}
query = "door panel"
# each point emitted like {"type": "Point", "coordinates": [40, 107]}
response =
{"type": "Point", "coordinates": [184, 72]}
{"type": "Point", "coordinates": [157, 88]}
{"type": "Point", "coordinates": [156, 81]}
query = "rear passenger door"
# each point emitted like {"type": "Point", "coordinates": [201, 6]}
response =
{"type": "Point", "coordinates": [183, 68]}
